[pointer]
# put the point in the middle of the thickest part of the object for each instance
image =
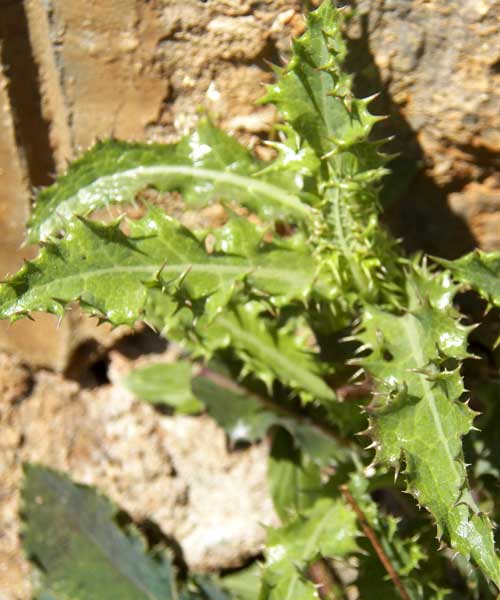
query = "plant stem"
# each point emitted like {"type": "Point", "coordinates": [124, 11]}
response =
{"type": "Point", "coordinates": [370, 534]}
{"type": "Point", "coordinates": [330, 587]}
{"type": "Point", "coordinates": [269, 403]}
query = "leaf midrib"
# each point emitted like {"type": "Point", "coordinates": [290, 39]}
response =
{"type": "Point", "coordinates": [85, 196]}
{"type": "Point", "coordinates": [309, 380]}
{"type": "Point", "coordinates": [74, 517]}
{"type": "Point", "coordinates": [413, 336]}
{"type": "Point", "coordinates": [288, 276]}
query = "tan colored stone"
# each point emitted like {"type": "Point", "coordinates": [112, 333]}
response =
{"type": "Point", "coordinates": [479, 204]}
{"type": "Point", "coordinates": [41, 343]}
{"type": "Point", "coordinates": [213, 501]}
{"type": "Point", "coordinates": [14, 203]}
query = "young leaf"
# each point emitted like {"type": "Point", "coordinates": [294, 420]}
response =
{"type": "Point", "coordinates": [479, 271]}
{"type": "Point", "coordinates": [314, 95]}
{"type": "Point", "coordinates": [310, 91]}
{"type": "Point", "coordinates": [419, 417]}
{"type": "Point", "coordinates": [328, 529]}
{"type": "Point", "coordinates": [206, 165]}
{"type": "Point", "coordinates": [293, 478]}
{"type": "Point", "coordinates": [165, 383]}
{"type": "Point", "coordinates": [70, 532]}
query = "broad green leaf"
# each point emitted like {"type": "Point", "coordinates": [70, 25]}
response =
{"type": "Point", "coordinates": [327, 529]}
{"type": "Point", "coordinates": [205, 166]}
{"type": "Point", "coordinates": [71, 534]}
{"type": "Point", "coordinates": [420, 419]}
{"type": "Point", "coordinates": [165, 383]}
{"type": "Point", "coordinates": [479, 271]}
{"type": "Point", "coordinates": [111, 273]}
{"type": "Point", "coordinates": [244, 584]}
{"type": "Point", "coordinates": [293, 478]}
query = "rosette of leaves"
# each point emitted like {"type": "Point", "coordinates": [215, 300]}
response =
{"type": "Point", "coordinates": [260, 304]}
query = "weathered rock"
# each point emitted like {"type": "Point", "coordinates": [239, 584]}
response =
{"type": "Point", "coordinates": [438, 64]}
{"type": "Point", "coordinates": [45, 343]}
{"type": "Point", "coordinates": [214, 502]}
{"type": "Point", "coordinates": [479, 204]}
{"type": "Point", "coordinates": [141, 70]}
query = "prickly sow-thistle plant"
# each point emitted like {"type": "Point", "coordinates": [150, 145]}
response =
{"type": "Point", "coordinates": [299, 289]}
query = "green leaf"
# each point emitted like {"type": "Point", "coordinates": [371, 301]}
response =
{"type": "Point", "coordinates": [209, 588]}
{"type": "Point", "coordinates": [314, 95]}
{"type": "Point", "coordinates": [165, 383]}
{"type": "Point", "coordinates": [110, 273]}
{"type": "Point", "coordinates": [310, 91]}
{"type": "Point", "coordinates": [419, 417]}
{"type": "Point", "coordinates": [271, 350]}
{"type": "Point", "coordinates": [244, 584]}
{"type": "Point", "coordinates": [327, 529]}
{"type": "Point", "coordinates": [205, 166]}
{"type": "Point", "coordinates": [479, 271]}
{"type": "Point", "coordinates": [70, 532]}
{"type": "Point", "coordinates": [293, 478]}
{"type": "Point", "coordinates": [405, 554]}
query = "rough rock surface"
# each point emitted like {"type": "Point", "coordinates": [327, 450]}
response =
{"type": "Point", "coordinates": [437, 62]}
{"type": "Point", "coordinates": [211, 500]}
{"type": "Point", "coordinates": [73, 72]}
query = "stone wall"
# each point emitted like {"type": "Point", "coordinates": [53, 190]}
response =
{"type": "Point", "coordinates": [72, 72]}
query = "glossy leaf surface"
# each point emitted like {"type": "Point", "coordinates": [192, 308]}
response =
{"type": "Point", "coordinates": [479, 271]}
{"type": "Point", "coordinates": [205, 166]}
{"type": "Point", "coordinates": [110, 273]}
{"type": "Point", "coordinates": [419, 417]}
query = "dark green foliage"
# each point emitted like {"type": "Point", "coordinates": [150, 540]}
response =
{"type": "Point", "coordinates": [71, 533]}
{"type": "Point", "coordinates": [303, 259]}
